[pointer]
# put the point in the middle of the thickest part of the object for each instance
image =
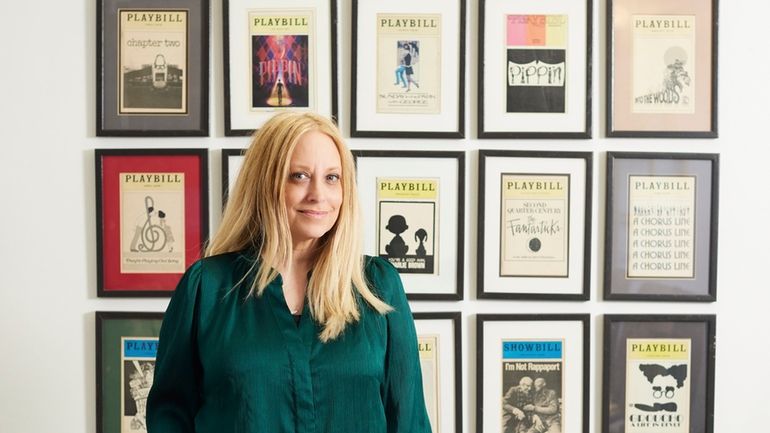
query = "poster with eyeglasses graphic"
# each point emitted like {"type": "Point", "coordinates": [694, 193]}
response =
{"type": "Point", "coordinates": [407, 215]}
{"type": "Point", "coordinates": [658, 385]}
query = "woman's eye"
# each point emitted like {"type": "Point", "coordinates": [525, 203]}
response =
{"type": "Point", "coordinates": [332, 178]}
{"type": "Point", "coordinates": [299, 176]}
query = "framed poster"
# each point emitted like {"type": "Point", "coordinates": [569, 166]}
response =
{"type": "Point", "coordinates": [658, 373]}
{"type": "Point", "coordinates": [126, 347]}
{"type": "Point", "coordinates": [661, 226]}
{"type": "Point", "coordinates": [151, 218]}
{"type": "Point", "coordinates": [232, 159]}
{"type": "Point", "coordinates": [534, 225]}
{"type": "Point", "coordinates": [413, 210]}
{"type": "Point", "coordinates": [662, 68]}
{"type": "Point", "coordinates": [532, 373]}
{"type": "Point", "coordinates": [152, 68]}
{"type": "Point", "coordinates": [438, 338]}
{"type": "Point", "coordinates": [278, 55]}
{"type": "Point", "coordinates": [408, 69]}
{"type": "Point", "coordinates": [535, 69]}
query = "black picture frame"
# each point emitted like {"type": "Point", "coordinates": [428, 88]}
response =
{"type": "Point", "coordinates": [670, 257]}
{"type": "Point", "coordinates": [700, 330]}
{"type": "Point", "coordinates": [447, 166]}
{"type": "Point", "coordinates": [565, 274]}
{"type": "Point", "coordinates": [638, 119]}
{"type": "Point", "coordinates": [228, 170]}
{"type": "Point", "coordinates": [121, 111]}
{"type": "Point", "coordinates": [574, 362]}
{"type": "Point", "coordinates": [455, 319]}
{"type": "Point", "coordinates": [189, 237]}
{"type": "Point", "coordinates": [545, 121]}
{"type": "Point", "coordinates": [376, 111]}
{"type": "Point", "coordinates": [111, 327]}
{"type": "Point", "coordinates": [242, 118]}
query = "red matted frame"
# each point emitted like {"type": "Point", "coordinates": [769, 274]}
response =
{"type": "Point", "coordinates": [193, 163]}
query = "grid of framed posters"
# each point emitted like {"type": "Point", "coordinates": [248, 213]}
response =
{"type": "Point", "coordinates": [151, 218]}
{"type": "Point", "coordinates": [408, 69]}
{"type": "Point", "coordinates": [126, 347]}
{"type": "Point", "coordinates": [232, 160]}
{"type": "Point", "coordinates": [534, 225]}
{"type": "Point", "coordinates": [412, 206]}
{"type": "Point", "coordinates": [658, 374]}
{"type": "Point", "coordinates": [152, 68]}
{"type": "Point", "coordinates": [661, 226]}
{"type": "Point", "coordinates": [278, 55]}
{"type": "Point", "coordinates": [438, 338]}
{"type": "Point", "coordinates": [534, 69]}
{"type": "Point", "coordinates": [532, 364]}
{"type": "Point", "coordinates": [662, 68]}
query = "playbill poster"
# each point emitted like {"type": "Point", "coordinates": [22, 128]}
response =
{"type": "Point", "coordinates": [409, 63]}
{"type": "Point", "coordinates": [137, 356]}
{"type": "Point", "coordinates": [152, 69]}
{"type": "Point", "coordinates": [427, 346]}
{"type": "Point", "coordinates": [282, 59]}
{"type": "Point", "coordinates": [661, 227]}
{"type": "Point", "coordinates": [533, 386]}
{"type": "Point", "coordinates": [663, 64]}
{"type": "Point", "coordinates": [536, 70]}
{"type": "Point", "coordinates": [407, 221]}
{"type": "Point", "coordinates": [534, 228]}
{"type": "Point", "coordinates": [657, 385]}
{"type": "Point", "coordinates": [152, 223]}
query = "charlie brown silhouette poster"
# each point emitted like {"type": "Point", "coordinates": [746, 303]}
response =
{"type": "Point", "coordinates": [407, 215]}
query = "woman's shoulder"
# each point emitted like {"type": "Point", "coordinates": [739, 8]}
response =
{"type": "Point", "coordinates": [383, 277]}
{"type": "Point", "coordinates": [218, 271]}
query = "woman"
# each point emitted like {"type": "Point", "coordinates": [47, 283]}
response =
{"type": "Point", "coordinates": [284, 326]}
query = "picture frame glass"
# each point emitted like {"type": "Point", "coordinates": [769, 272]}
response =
{"type": "Point", "coordinates": [534, 74]}
{"type": "Point", "coordinates": [414, 204]}
{"type": "Point", "coordinates": [662, 226]}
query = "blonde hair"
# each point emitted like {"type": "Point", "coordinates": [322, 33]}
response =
{"type": "Point", "coordinates": [256, 218]}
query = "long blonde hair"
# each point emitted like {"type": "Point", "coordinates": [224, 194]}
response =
{"type": "Point", "coordinates": [256, 218]}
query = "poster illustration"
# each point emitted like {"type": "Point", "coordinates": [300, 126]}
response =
{"type": "Point", "coordinates": [138, 367]}
{"type": "Point", "coordinates": [152, 64]}
{"type": "Point", "coordinates": [661, 227]}
{"type": "Point", "coordinates": [536, 47]}
{"type": "Point", "coordinates": [534, 225]}
{"type": "Point", "coordinates": [427, 346]}
{"type": "Point", "coordinates": [282, 60]}
{"type": "Point", "coordinates": [533, 381]}
{"type": "Point", "coordinates": [657, 385]}
{"type": "Point", "coordinates": [663, 64]}
{"type": "Point", "coordinates": [152, 223]}
{"type": "Point", "coordinates": [407, 215]}
{"type": "Point", "coordinates": [409, 63]}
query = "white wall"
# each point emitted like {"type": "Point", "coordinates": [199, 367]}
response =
{"type": "Point", "coordinates": [47, 241]}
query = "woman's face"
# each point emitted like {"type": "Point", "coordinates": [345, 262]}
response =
{"type": "Point", "coordinates": [313, 193]}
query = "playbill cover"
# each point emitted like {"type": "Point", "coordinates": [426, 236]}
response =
{"type": "Point", "coordinates": [536, 47]}
{"type": "Point", "coordinates": [409, 63]}
{"type": "Point", "coordinates": [428, 348]}
{"type": "Point", "coordinates": [407, 221]}
{"type": "Point", "coordinates": [661, 227]}
{"type": "Point", "coordinates": [532, 386]}
{"type": "Point", "coordinates": [282, 59]}
{"type": "Point", "coordinates": [152, 69]}
{"type": "Point", "coordinates": [663, 64]}
{"type": "Point", "coordinates": [137, 356]}
{"type": "Point", "coordinates": [152, 223]}
{"type": "Point", "coordinates": [534, 230]}
{"type": "Point", "coordinates": [657, 385]}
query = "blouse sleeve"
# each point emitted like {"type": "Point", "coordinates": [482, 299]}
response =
{"type": "Point", "coordinates": [403, 394]}
{"type": "Point", "coordinates": [174, 397]}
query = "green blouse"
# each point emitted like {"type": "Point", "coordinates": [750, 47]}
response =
{"type": "Point", "coordinates": [232, 363]}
